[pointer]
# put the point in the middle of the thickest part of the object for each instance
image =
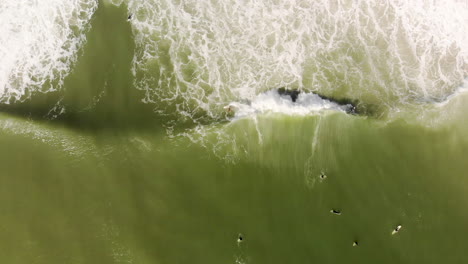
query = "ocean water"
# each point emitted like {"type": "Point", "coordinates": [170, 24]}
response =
{"type": "Point", "coordinates": [139, 131]}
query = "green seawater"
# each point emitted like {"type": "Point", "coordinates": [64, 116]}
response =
{"type": "Point", "coordinates": [105, 183]}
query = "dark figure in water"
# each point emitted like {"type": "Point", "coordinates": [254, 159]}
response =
{"type": "Point", "coordinates": [130, 17]}
{"type": "Point", "coordinates": [334, 211]}
{"type": "Point", "coordinates": [322, 175]}
{"type": "Point", "coordinates": [396, 230]}
{"type": "Point", "coordinates": [240, 238]}
{"type": "Point", "coordinates": [292, 93]}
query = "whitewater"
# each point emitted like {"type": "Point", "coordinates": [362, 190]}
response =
{"type": "Point", "coordinates": [192, 58]}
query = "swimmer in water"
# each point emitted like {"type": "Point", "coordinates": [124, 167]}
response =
{"type": "Point", "coordinates": [322, 175]}
{"type": "Point", "coordinates": [396, 230]}
{"type": "Point", "coordinates": [229, 108]}
{"type": "Point", "coordinates": [337, 212]}
{"type": "Point", "coordinates": [240, 238]}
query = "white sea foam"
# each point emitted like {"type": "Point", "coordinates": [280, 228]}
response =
{"type": "Point", "coordinates": [460, 90]}
{"type": "Point", "coordinates": [195, 56]}
{"type": "Point", "coordinates": [273, 102]}
{"type": "Point", "coordinates": [39, 40]}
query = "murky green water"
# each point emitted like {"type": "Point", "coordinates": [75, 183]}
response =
{"type": "Point", "coordinates": [136, 197]}
{"type": "Point", "coordinates": [102, 178]}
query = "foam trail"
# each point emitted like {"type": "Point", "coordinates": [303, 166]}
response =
{"type": "Point", "coordinates": [195, 56]}
{"type": "Point", "coordinates": [39, 41]}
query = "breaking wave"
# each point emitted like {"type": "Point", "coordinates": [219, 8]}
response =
{"type": "Point", "coordinates": [273, 102]}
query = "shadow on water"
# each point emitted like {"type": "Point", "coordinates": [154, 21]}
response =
{"type": "Point", "coordinates": [99, 92]}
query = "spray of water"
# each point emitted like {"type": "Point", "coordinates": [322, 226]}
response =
{"type": "Point", "coordinates": [39, 41]}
